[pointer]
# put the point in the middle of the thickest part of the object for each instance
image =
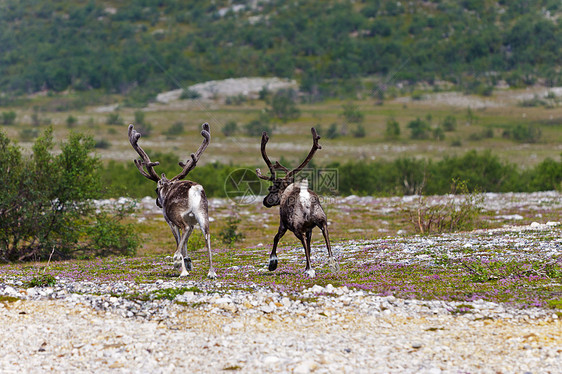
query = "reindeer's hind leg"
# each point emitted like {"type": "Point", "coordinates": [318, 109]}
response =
{"type": "Point", "coordinates": [184, 253]}
{"type": "Point", "coordinates": [305, 240]}
{"type": "Point", "coordinates": [273, 256]}
{"type": "Point", "coordinates": [178, 254]}
{"type": "Point", "coordinates": [332, 263]}
{"type": "Point", "coordinates": [204, 225]}
{"type": "Point", "coordinates": [176, 231]}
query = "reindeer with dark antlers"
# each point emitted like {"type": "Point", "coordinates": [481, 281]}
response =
{"type": "Point", "coordinates": [299, 207]}
{"type": "Point", "coordinates": [183, 202]}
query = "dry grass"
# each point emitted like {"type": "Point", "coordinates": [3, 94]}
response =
{"type": "Point", "coordinates": [291, 139]}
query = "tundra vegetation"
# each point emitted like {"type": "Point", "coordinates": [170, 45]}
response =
{"type": "Point", "coordinates": [402, 95]}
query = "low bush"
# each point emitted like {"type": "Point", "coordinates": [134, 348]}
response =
{"type": "Point", "coordinates": [8, 118]}
{"type": "Point", "coordinates": [523, 133]}
{"type": "Point", "coordinates": [46, 206]}
{"type": "Point", "coordinates": [230, 128]}
{"type": "Point", "coordinates": [419, 129]}
{"type": "Point", "coordinates": [176, 129]}
{"type": "Point", "coordinates": [459, 211]}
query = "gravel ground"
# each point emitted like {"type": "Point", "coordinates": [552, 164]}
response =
{"type": "Point", "coordinates": [80, 326]}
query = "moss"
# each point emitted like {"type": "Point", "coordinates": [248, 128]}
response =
{"type": "Point", "coordinates": [8, 299]}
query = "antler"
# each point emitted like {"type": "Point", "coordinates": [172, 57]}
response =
{"type": "Point", "coordinates": [144, 161]}
{"type": "Point", "coordinates": [191, 163]}
{"type": "Point", "coordinates": [315, 147]}
{"type": "Point", "coordinates": [264, 140]}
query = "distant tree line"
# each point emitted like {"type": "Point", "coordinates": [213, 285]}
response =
{"type": "Point", "coordinates": [404, 176]}
{"type": "Point", "coordinates": [137, 46]}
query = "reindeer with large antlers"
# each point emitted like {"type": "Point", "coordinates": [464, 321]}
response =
{"type": "Point", "coordinates": [183, 202]}
{"type": "Point", "coordinates": [299, 207]}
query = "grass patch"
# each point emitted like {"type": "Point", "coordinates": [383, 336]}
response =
{"type": "Point", "coordinates": [8, 299]}
{"type": "Point", "coordinates": [44, 280]}
{"type": "Point", "coordinates": [171, 293]}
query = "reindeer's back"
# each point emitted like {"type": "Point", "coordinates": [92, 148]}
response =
{"type": "Point", "coordinates": [300, 207]}
{"type": "Point", "coordinates": [185, 198]}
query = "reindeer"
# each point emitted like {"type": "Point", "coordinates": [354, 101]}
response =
{"type": "Point", "coordinates": [183, 202]}
{"type": "Point", "coordinates": [299, 207]}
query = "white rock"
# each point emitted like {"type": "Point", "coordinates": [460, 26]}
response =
{"type": "Point", "coordinates": [305, 367]}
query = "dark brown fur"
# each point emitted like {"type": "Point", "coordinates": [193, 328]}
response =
{"type": "Point", "coordinates": [299, 208]}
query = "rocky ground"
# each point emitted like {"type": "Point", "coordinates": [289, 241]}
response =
{"type": "Point", "coordinates": [128, 326]}
{"type": "Point", "coordinates": [79, 326]}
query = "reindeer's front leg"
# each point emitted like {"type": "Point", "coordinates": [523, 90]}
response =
{"type": "Point", "coordinates": [273, 256]}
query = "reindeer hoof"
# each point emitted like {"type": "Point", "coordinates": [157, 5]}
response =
{"type": "Point", "coordinates": [177, 261]}
{"type": "Point", "coordinates": [187, 262]}
{"type": "Point", "coordinates": [184, 274]}
{"type": "Point", "coordinates": [310, 273]}
{"type": "Point", "coordinates": [211, 274]}
{"type": "Point", "coordinates": [272, 263]}
{"type": "Point", "coordinates": [333, 264]}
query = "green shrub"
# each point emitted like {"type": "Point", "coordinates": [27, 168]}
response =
{"type": "Point", "coordinates": [545, 176]}
{"type": "Point", "coordinates": [229, 234]}
{"type": "Point", "coordinates": [43, 280]}
{"type": "Point", "coordinates": [175, 130]}
{"type": "Point", "coordinates": [484, 134]}
{"type": "Point", "coordinates": [352, 114]}
{"type": "Point", "coordinates": [114, 119]}
{"type": "Point", "coordinates": [449, 123]}
{"type": "Point", "coordinates": [419, 129]}
{"type": "Point", "coordinates": [256, 128]}
{"type": "Point", "coordinates": [8, 118]}
{"type": "Point", "coordinates": [403, 176]}
{"type": "Point", "coordinates": [359, 131]}
{"type": "Point", "coordinates": [102, 144]}
{"type": "Point", "coordinates": [333, 131]}
{"type": "Point", "coordinates": [189, 94]}
{"type": "Point", "coordinates": [392, 131]}
{"type": "Point", "coordinates": [236, 100]}
{"type": "Point", "coordinates": [107, 235]}
{"type": "Point", "coordinates": [71, 122]}
{"type": "Point", "coordinates": [283, 105]}
{"type": "Point", "coordinates": [438, 133]}
{"type": "Point", "coordinates": [230, 128]}
{"type": "Point", "coordinates": [524, 133]}
{"type": "Point", "coordinates": [46, 200]}
{"type": "Point", "coordinates": [27, 135]}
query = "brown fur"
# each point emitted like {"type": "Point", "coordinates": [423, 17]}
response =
{"type": "Point", "coordinates": [183, 202]}
{"type": "Point", "coordinates": [299, 207]}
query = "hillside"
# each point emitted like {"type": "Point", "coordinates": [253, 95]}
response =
{"type": "Point", "coordinates": [142, 47]}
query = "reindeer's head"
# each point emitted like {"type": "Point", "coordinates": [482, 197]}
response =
{"type": "Point", "coordinates": [162, 183]}
{"type": "Point", "coordinates": [279, 185]}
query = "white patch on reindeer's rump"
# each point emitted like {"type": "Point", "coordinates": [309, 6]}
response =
{"type": "Point", "coordinates": [194, 196]}
{"type": "Point", "coordinates": [304, 195]}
